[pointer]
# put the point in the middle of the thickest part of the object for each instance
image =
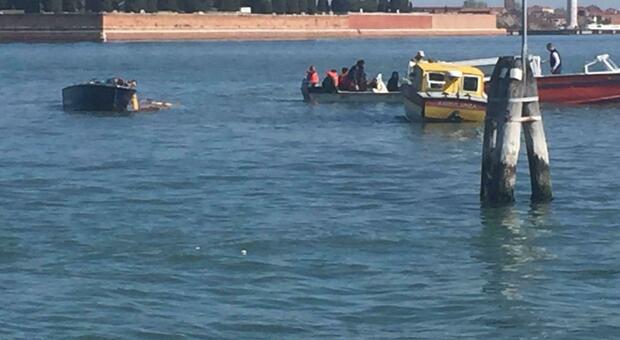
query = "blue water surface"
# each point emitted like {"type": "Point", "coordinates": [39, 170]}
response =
{"type": "Point", "coordinates": [355, 223]}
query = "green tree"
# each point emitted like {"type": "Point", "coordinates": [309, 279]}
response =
{"type": "Point", "coordinates": [474, 4]}
{"type": "Point", "coordinates": [278, 6]}
{"type": "Point", "coordinates": [292, 6]}
{"type": "Point", "coordinates": [151, 6]}
{"type": "Point", "coordinates": [167, 5]}
{"type": "Point", "coordinates": [72, 5]}
{"type": "Point", "coordinates": [365, 5]}
{"type": "Point", "coordinates": [30, 6]}
{"type": "Point", "coordinates": [323, 6]}
{"type": "Point", "coordinates": [340, 6]}
{"type": "Point", "coordinates": [191, 6]}
{"type": "Point", "coordinates": [384, 6]}
{"type": "Point", "coordinates": [262, 6]}
{"type": "Point", "coordinates": [228, 5]}
{"type": "Point", "coordinates": [52, 6]}
{"type": "Point", "coordinates": [399, 5]}
{"type": "Point", "coordinates": [303, 6]}
{"type": "Point", "coordinates": [99, 5]}
{"type": "Point", "coordinates": [135, 5]}
{"type": "Point", "coordinates": [311, 7]}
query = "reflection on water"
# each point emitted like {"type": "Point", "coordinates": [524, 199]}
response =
{"type": "Point", "coordinates": [451, 131]}
{"type": "Point", "coordinates": [509, 246]}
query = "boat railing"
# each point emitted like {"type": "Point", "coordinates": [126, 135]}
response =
{"type": "Point", "coordinates": [601, 60]}
{"type": "Point", "coordinates": [487, 64]}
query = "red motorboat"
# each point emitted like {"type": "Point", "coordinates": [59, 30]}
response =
{"type": "Point", "coordinates": [599, 83]}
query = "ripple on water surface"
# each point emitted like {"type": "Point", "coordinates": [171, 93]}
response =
{"type": "Point", "coordinates": [354, 222]}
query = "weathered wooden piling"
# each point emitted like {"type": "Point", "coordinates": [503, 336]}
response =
{"type": "Point", "coordinates": [512, 102]}
{"type": "Point", "coordinates": [536, 144]}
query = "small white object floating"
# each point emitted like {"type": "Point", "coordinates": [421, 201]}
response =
{"type": "Point", "coordinates": [244, 252]}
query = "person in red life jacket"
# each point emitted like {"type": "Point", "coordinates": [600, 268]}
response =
{"type": "Point", "coordinates": [343, 80]}
{"type": "Point", "coordinates": [312, 76]}
{"type": "Point", "coordinates": [330, 83]}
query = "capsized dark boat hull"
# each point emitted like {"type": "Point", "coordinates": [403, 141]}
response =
{"type": "Point", "coordinates": [96, 97]}
{"type": "Point", "coordinates": [576, 89]}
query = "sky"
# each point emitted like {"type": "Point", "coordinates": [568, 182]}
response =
{"type": "Point", "coordinates": [553, 3]}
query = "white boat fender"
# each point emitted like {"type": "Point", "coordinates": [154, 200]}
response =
{"type": "Point", "coordinates": [516, 74]}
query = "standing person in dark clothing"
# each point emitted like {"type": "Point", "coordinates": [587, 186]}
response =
{"type": "Point", "coordinates": [330, 83]}
{"type": "Point", "coordinates": [344, 84]}
{"type": "Point", "coordinates": [357, 76]}
{"type": "Point", "coordinates": [554, 59]}
{"type": "Point", "coordinates": [393, 82]}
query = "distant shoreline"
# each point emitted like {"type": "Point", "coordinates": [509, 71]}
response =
{"type": "Point", "coordinates": [110, 27]}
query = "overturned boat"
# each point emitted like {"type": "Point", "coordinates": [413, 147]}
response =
{"type": "Point", "coordinates": [113, 95]}
{"type": "Point", "coordinates": [444, 92]}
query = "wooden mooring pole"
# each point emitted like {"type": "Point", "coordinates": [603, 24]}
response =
{"type": "Point", "coordinates": [513, 103]}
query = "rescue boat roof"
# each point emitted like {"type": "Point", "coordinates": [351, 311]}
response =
{"type": "Point", "coordinates": [427, 66]}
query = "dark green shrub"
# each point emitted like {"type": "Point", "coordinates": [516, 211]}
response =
{"type": "Point", "coordinates": [168, 5]}
{"type": "Point", "coordinates": [135, 5]}
{"type": "Point", "coordinates": [262, 6]}
{"type": "Point", "coordinates": [365, 5]}
{"type": "Point", "coordinates": [399, 5]}
{"type": "Point", "coordinates": [191, 6]}
{"type": "Point", "coordinates": [29, 6]}
{"type": "Point", "coordinates": [278, 6]}
{"type": "Point", "coordinates": [303, 6]}
{"type": "Point", "coordinates": [311, 4]}
{"type": "Point", "coordinates": [340, 6]}
{"type": "Point", "coordinates": [72, 5]}
{"type": "Point", "coordinates": [52, 5]}
{"type": "Point", "coordinates": [229, 5]}
{"type": "Point", "coordinates": [384, 6]}
{"type": "Point", "coordinates": [323, 6]}
{"type": "Point", "coordinates": [292, 6]}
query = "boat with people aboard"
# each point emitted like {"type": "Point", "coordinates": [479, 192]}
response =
{"type": "Point", "coordinates": [444, 92]}
{"type": "Point", "coordinates": [350, 86]}
{"type": "Point", "coordinates": [598, 83]}
{"type": "Point", "coordinates": [319, 95]}
{"type": "Point", "coordinates": [112, 95]}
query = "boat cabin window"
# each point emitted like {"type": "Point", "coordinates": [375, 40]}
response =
{"type": "Point", "coordinates": [436, 81]}
{"type": "Point", "coordinates": [470, 84]}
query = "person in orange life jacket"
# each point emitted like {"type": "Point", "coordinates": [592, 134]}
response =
{"type": "Point", "coordinates": [330, 83]}
{"type": "Point", "coordinates": [312, 76]}
{"type": "Point", "coordinates": [393, 82]}
{"type": "Point", "coordinates": [554, 59]}
{"type": "Point", "coordinates": [357, 76]}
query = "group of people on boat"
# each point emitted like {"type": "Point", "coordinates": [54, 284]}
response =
{"type": "Point", "coordinates": [351, 79]}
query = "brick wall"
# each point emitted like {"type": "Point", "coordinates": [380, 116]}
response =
{"type": "Point", "coordinates": [170, 26]}
{"type": "Point", "coordinates": [390, 21]}
{"type": "Point", "coordinates": [464, 21]}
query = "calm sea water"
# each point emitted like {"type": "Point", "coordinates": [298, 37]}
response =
{"type": "Point", "coordinates": [356, 223]}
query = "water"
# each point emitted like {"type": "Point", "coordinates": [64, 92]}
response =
{"type": "Point", "coordinates": [356, 223]}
